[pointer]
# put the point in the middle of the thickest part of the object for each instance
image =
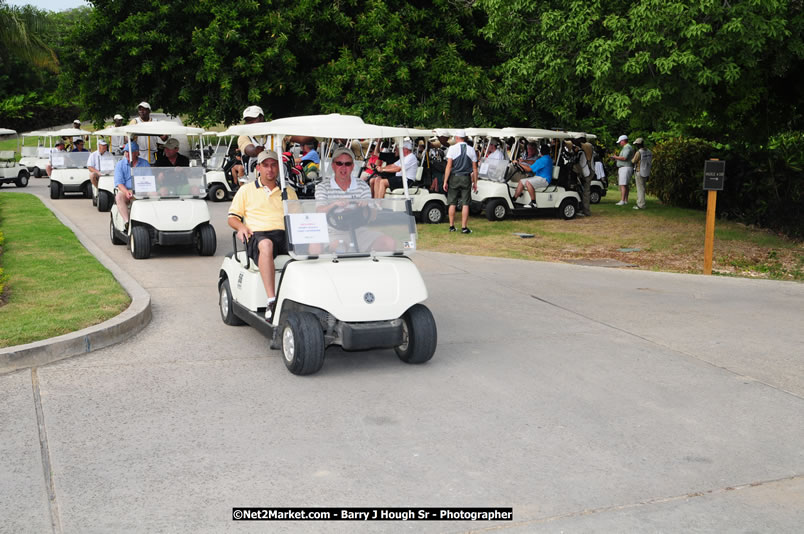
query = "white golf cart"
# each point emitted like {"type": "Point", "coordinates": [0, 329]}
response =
{"type": "Point", "coordinates": [35, 158]}
{"type": "Point", "coordinates": [495, 188]}
{"type": "Point", "coordinates": [220, 186]}
{"type": "Point", "coordinates": [168, 208]}
{"type": "Point", "coordinates": [597, 187]}
{"type": "Point", "coordinates": [11, 170]}
{"type": "Point", "coordinates": [348, 279]}
{"type": "Point", "coordinates": [103, 195]}
{"type": "Point", "coordinates": [69, 173]}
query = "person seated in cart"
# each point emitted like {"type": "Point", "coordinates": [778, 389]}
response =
{"type": "Point", "coordinates": [342, 186]}
{"type": "Point", "coordinates": [494, 152]}
{"type": "Point", "coordinates": [411, 164]}
{"type": "Point", "coordinates": [257, 216]}
{"type": "Point", "coordinates": [59, 148]}
{"type": "Point", "coordinates": [94, 161]}
{"type": "Point", "coordinates": [123, 179]}
{"type": "Point", "coordinates": [541, 173]}
{"type": "Point", "coordinates": [171, 157]}
{"type": "Point", "coordinates": [78, 145]}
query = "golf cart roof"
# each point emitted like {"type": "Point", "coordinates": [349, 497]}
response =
{"type": "Point", "coordinates": [333, 125]}
{"type": "Point", "coordinates": [535, 132]}
{"type": "Point", "coordinates": [36, 133]}
{"type": "Point", "coordinates": [576, 135]}
{"type": "Point", "coordinates": [67, 132]}
{"type": "Point", "coordinates": [6, 131]}
{"type": "Point", "coordinates": [159, 128]}
{"type": "Point", "coordinates": [111, 130]}
{"type": "Point", "coordinates": [485, 132]}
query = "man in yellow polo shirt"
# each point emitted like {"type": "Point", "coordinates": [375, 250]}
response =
{"type": "Point", "coordinates": [257, 216]}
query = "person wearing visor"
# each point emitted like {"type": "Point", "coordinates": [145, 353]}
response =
{"type": "Point", "coordinates": [123, 179]}
{"type": "Point", "coordinates": [257, 216]}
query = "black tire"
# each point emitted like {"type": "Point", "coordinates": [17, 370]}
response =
{"type": "Point", "coordinates": [205, 240]}
{"type": "Point", "coordinates": [568, 208]}
{"type": "Point", "coordinates": [112, 234]}
{"type": "Point", "coordinates": [94, 200]}
{"type": "Point", "coordinates": [302, 341]}
{"type": "Point", "coordinates": [225, 304]}
{"type": "Point", "coordinates": [217, 193]}
{"type": "Point", "coordinates": [496, 210]}
{"type": "Point", "coordinates": [139, 243]}
{"type": "Point", "coordinates": [87, 189]}
{"type": "Point", "coordinates": [22, 179]}
{"type": "Point", "coordinates": [433, 212]}
{"type": "Point", "coordinates": [419, 334]}
{"type": "Point", "coordinates": [594, 195]}
{"type": "Point", "coordinates": [55, 190]}
{"type": "Point", "coordinates": [104, 200]}
{"type": "Point", "coordinates": [37, 172]}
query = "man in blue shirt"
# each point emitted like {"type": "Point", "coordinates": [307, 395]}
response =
{"type": "Point", "coordinates": [309, 153]}
{"type": "Point", "coordinates": [123, 180]}
{"type": "Point", "coordinates": [542, 173]}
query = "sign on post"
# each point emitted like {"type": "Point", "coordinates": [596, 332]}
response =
{"type": "Point", "coordinates": [714, 175]}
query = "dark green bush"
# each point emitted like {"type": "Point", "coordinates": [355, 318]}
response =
{"type": "Point", "coordinates": [677, 172]}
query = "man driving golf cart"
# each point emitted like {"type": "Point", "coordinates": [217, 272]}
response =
{"type": "Point", "coordinates": [123, 179]}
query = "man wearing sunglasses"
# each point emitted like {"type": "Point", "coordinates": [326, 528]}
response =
{"type": "Point", "coordinates": [257, 216]}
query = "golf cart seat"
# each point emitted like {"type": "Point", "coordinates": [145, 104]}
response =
{"type": "Point", "coordinates": [279, 262]}
{"type": "Point", "coordinates": [414, 187]}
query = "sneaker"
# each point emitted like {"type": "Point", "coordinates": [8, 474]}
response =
{"type": "Point", "coordinates": [638, 208]}
{"type": "Point", "coordinates": [533, 204]}
{"type": "Point", "coordinates": [580, 214]}
{"type": "Point", "coordinates": [466, 231]}
{"type": "Point", "coordinates": [621, 203]}
{"type": "Point", "coordinates": [269, 310]}
{"type": "Point", "coordinates": [452, 229]}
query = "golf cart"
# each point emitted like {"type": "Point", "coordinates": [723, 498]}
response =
{"type": "Point", "coordinates": [69, 174]}
{"type": "Point", "coordinates": [219, 176]}
{"type": "Point", "coordinates": [12, 171]}
{"type": "Point", "coordinates": [348, 279]}
{"type": "Point", "coordinates": [103, 195]}
{"type": "Point", "coordinates": [168, 208]}
{"type": "Point", "coordinates": [35, 158]}
{"type": "Point", "coordinates": [598, 187]}
{"type": "Point", "coordinates": [495, 186]}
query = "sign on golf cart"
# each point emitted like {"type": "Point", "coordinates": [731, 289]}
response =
{"type": "Point", "coordinates": [714, 175]}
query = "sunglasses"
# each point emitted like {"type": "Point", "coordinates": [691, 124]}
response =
{"type": "Point", "coordinates": [343, 163]}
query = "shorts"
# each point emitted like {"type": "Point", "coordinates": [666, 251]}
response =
{"type": "Point", "coordinates": [624, 175]}
{"type": "Point", "coordinates": [277, 237]}
{"type": "Point", "coordinates": [459, 189]}
{"type": "Point", "coordinates": [395, 182]}
{"type": "Point", "coordinates": [537, 182]}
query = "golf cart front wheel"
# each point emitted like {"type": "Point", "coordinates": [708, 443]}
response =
{"type": "Point", "coordinates": [139, 242]}
{"type": "Point", "coordinates": [205, 240]}
{"type": "Point", "coordinates": [594, 195]}
{"type": "Point", "coordinates": [37, 172]}
{"type": "Point", "coordinates": [433, 213]}
{"type": "Point", "coordinates": [22, 179]}
{"type": "Point", "coordinates": [226, 305]}
{"type": "Point", "coordinates": [496, 210]}
{"type": "Point", "coordinates": [419, 335]}
{"type": "Point", "coordinates": [104, 201]}
{"type": "Point", "coordinates": [302, 343]}
{"type": "Point", "coordinates": [55, 190]}
{"type": "Point", "coordinates": [568, 208]}
{"type": "Point", "coordinates": [87, 189]}
{"type": "Point", "coordinates": [217, 193]}
{"type": "Point", "coordinates": [115, 240]}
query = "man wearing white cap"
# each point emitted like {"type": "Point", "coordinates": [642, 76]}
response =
{"type": "Point", "coordinates": [150, 144]}
{"type": "Point", "coordinates": [462, 169]}
{"type": "Point", "coordinates": [624, 168]}
{"type": "Point", "coordinates": [411, 164]}
{"type": "Point", "coordinates": [94, 161]}
{"type": "Point", "coordinates": [117, 141]}
{"type": "Point", "coordinates": [257, 216]}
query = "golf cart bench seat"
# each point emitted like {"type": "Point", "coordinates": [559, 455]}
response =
{"type": "Point", "coordinates": [279, 262]}
{"type": "Point", "coordinates": [7, 158]}
{"type": "Point", "coordinates": [414, 185]}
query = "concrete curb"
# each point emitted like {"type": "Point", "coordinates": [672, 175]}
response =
{"type": "Point", "coordinates": [115, 330]}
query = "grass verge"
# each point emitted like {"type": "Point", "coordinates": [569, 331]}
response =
{"type": "Point", "coordinates": [53, 284]}
{"type": "Point", "coordinates": [668, 239]}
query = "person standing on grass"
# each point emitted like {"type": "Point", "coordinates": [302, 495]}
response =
{"type": "Point", "coordinates": [642, 161]}
{"type": "Point", "coordinates": [625, 168]}
{"type": "Point", "coordinates": [462, 168]}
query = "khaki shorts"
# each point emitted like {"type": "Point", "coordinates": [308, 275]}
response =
{"type": "Point", "coordinates": [459, 189]}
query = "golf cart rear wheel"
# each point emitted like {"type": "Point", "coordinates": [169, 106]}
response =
{"type": "Point", "coordinates": [226, 307]}
{"type": "Point", "coordinates": [568, 208]}
{"type": "Point", "coordinates": [419, 335]}
{"type": "Point", "coordinates": [302, 343]}
{"type": "Point", "coordinates": [104, 201]}
{"type": "Point", "coordinates": [37, 172]}
{"type": "Point", "coordinates": [87, 189]}
{"type": "Point", "coordinates": [217, 193]}
{"type": "Point", "coordinates": [22, 179]}
{"type": "Point", "coordinates": [139, 242]}
{"type": "Point", "coordinates": [433, 213]}
{"type": "Point", "coordinates": [496, 210]}
{"type": "Point", "coordinates": [594, 195]}
{"type": "Point", "coordinates": [205, 240]}
{"type": "Point", "coordinates": [55, 190]}
{"type": "Point", "coordinates": [115, 240]}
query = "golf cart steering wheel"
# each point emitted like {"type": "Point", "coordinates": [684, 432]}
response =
{"type": "Point", "coordinates": [349, 217]}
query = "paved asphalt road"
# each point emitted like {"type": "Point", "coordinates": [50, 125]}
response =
{"type": "Point", "coordinates": [588, 399]}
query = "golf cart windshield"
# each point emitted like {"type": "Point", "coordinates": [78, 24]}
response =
{"type": "Point", "coordinates": [108, 161]}
{"type": "Point", "coordinates": [349, 228]}
{"type": "Point", "coordinates": [493, 169]}
{"type": "Point", "coordinates": [169, 182]}
{"type": "Point", "coordinates": [69, 160]}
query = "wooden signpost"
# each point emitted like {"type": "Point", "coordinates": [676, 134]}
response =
{"type": "Point", "coordinates": [714, 176]}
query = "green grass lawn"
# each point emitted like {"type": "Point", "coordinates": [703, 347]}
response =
{"type": "Point", "coordinates": [668, 239]}
{"type": "Point", "coordinates": [53, 285]}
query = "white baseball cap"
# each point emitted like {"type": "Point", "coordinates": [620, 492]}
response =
{"type": "Point", "coordinates": [252, 112]}
{"type": "Point", "coordinates": [459, 133]}
{"type": "Point", "coordinates": [118, 117]}
{"type": "Point", "coordinates": [622, 138]}
{"type": "Point", "coordinates": [145, 105]}
{"type": "Point", "coordinates": [408, 144]}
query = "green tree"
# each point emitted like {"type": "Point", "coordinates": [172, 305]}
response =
{"type": "Point", "coordinates": [20, 35]}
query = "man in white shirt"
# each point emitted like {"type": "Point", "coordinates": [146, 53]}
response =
{"type": "Point", "coordinates": [494, 150]}
{"type": "Point", "coordinates": [411, 164]}
{"type": "Point", "coordinates": [117, 141]}
{"type": "Point", "coordinates": [94, 162]}
{"type": "Point", "coordinates": [462, 169]}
